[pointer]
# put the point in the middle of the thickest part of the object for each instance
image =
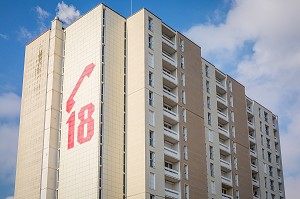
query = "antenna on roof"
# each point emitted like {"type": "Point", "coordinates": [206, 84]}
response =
{"type": "Point", "coordinates": [131, 7]}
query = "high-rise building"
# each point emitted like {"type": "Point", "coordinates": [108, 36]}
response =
{"type": "Point", "coordinates": [116, 107]}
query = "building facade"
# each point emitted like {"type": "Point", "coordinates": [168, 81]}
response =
{"type": "Point", "coordinates": [116, 107]}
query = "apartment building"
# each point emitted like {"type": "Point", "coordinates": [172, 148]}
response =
{"type": "Point", "coordinates": [116, 107]}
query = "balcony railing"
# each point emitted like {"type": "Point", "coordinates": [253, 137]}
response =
{"type": "Point", "coordinates": [170, 114]}
{"type": "Point", "coordinates": [172, 173]}
{"type": "Point", "coordinates": [171, 153]}
{"type": "Point", "coordinates": [225, 164]}
{"type": "Point", "coordinates": [255, 182]}
{"type": "Point", "coordinates": [169, 59]}
{"type": "Point", "coordinates": [249, 109]}
{"type": "Point", "coordinates": [170, 77]}
{"type": "Point", "coordinates": [171, 133]}
{"type": "Point", "coordinates": [221, 99]}
{"type": "Point", "coordinates": [170, 193]}
{"type": "Point", "coordinates": [251, 138]}
{"type": "Point", "coordinates": [168, 41]}
{"type": "Point", "coordinates": [221, 84]}
{"type": "Point", "coordinates": [170, 95]}
{"type": "Point", "coordinates": [223, 115]}
{"type": "Point", "coordinates": [223, 131]}
{"type": "Point", "coordinates": [275, 139]}
{"type": "Point", "coordinates": [254, 167]}
{"type": "Point", "coordinates": [226, 180]}
{"type": "Point", "coordinates": [224, 147]}
{"type": "Point", "coordinates": [250, 124]}
{"type": "Point", "coordinates": [253, 153]}
{"type": "Point", "coordinates": [225, 196]}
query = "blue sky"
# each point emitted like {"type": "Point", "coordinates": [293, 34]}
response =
{"type": "Point", "coordinates": [255, 41]}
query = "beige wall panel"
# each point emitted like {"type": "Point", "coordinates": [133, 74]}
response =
{"type": "Point", "coordinates": [28, 174]}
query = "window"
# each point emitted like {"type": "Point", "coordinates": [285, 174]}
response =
{"type": "Point", "coordinates": [259, 112]}
{"type": "Point", "coordinates": [234, 147]}
{"type": "Point", "coordinates": [230, 86]}
{"type": "Point", "coordinates": [266, 117]}
{"type": "Point", "coordinates": [152, 181]}
{"type": "Point", "coordinates": [181, 45]}
{"type": "Point", "coordinates": [211, 152]}
{"type": "Point", "coordinates": [272, 185]}
{"type": "Point", "coordinates": [265, 168]}
{"type": "Point", "coordinates": [235, 161]}
{"type": "Point", "coordinates": [267, 130]}
{"type": "Point", "coordinates": [186, 172]}
{"type": "Point", "coordinates": [210, 136]}
{"type": "Point", "coordinates": [237, 193]}
{"type": "Point", "coordinates": [150, 60]}
{"type": "Point", "coordinates": [213, 187]}
{"type": "Point", "coordinates": [267, 195]}
{"type": "Point", "coordinates": [151, 100]}
{"type": "Point", "coordinates": [231, 101]}
{"type": "Point", "coordinates": [151, 79]}
{"type": "Point", "coordinates": [182, 61]}
{"type": "Point", "coordinates": [207, 87]}
{"type": "Point", "coordinates": [268, 143]}
{"type": "Point", "coordinates": [260, 126]}
{"type": "Point", "coordinates": [233, 131]}
{"type": "Point", "coordinates": [269, 157]}
{"type": "Point", "coordinates": [182, 79]}
{"type": "Point", "coordinates": [272, 196]}
{"type": "Point", "coordinates": [212, 170]}
{"type": "Point", "coordinates": [151, 118]}
{"type": "Point", "coordinates": [152, 196]}
{"type": "Point", "coordinates": [150, 41]}
{"type": "Point", "coordinates": [270, 171]}
{"type": "Point", "coordinates": [263, 153]}
{"type": "Point", "coordinates": [262, 139]}
{"type": "Point", "coordinates": [152, 159]}
{"type": "Point", "coordinates": [208, 102]}
{"type": "Point", "coordinates": [266, 184]}
{"type": "Point", "coordinates": [186, 191]}
{"type": "Point", "coordinates": [236, 179]}
{"type": "Point", "coordinates": [183, 98]}
{"type": "Point", "coordinates": [150, 24]}
{"type": "Point", "coordinates": [206, 70]}
{"type": "Point", "coordinates": [232, 116]}
{"type": "Point", "coordinates": [184, 133]}
{"type": "Point", "coordinates": [183, 115]}
{"type": "Point", "coordinates": [185, 153]}
{"type": "Point", "coordinates": [209, 118]}
{"type": "Point", "coordinates": [169, 165]}
{"type": "Point", "coordinates": [151, 138]}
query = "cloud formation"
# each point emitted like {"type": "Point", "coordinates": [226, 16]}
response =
{"type": "Point", "coordinates": [258, 44]}
{"type": "Point", "coordinates": [3, 36]}
{"type": "Point", "coordinates": [67, 13]}
{"type": "Point", "coordinates": [41, 15]}
{"type": "Point", "coordinates": [9, 106]}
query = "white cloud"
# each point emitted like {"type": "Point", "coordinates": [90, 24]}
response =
{"type": "Point", "coordinates": [24, 33]}
{"type": "Point", "coordinates": [269, 67]}
{"type": "Point", "coordinates": [292, 184]}
{"type": "Point", "coordinates": [67, 13]}
{"type": "Point", "coordinates": [42, 14]}
{"type": "Point", "coordinates": [9, 197]}
{"type": "Point", "coordinates": [9, 105]}
{"type": "Point", "coordinates": [3, 36]}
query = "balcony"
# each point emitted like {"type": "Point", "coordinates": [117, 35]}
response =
{"type": "Point", "coordinates": [225, 196]}
{"type": "Point", "coordinates": [253, 153]}
{"type": "Point", "coordinates": [221, 84]}
{"type": "Point", "coordinates": [224, 147]}
{"type": "Point", "coordinates": [171, 117]}
{"type": "Point", "coordinates": [222, 115]}
{"type": "Point", "coordinates": [171, 193]}
{"type": "Point", "coordinates": [255, 197]}
{"type": "Point", "coordinates": [226, 165]}
{"type": "Point", "coordinates": [169, 79]}
{"type": "Point", "coordinates": [275, 139]}
{"type": "Point", "coordinates": [250, 124]}
{"type": "Point", "coordinates": [170, 98]}
{"type": "Point", "coordinates": [172, 175]}
{"type": "Point", "coordinates": [252, 139]}
{"type": "Point", "coordinates": [277, 152]}
{"type": "Point", "coordinates": [223, 131]}
{"type": "Point", "coordinates": [255, 182]}
{"type": "Point", "coordinates": [226, 181]}
{"type": "Point", "coordinates": [221, 100]}
{"type": "Point", "coordinates": [254, 168]}
{"type": "Point", "coordinates": [174, 155]}
{"type": "Point", "coordinates": [279, 179]}
{"type": "Point", "coordinates": [173, 135]}
{"type": "Point", "coordinates": [169, 59]}
{"type": "Point", "coordinates": [167, 40]}
{"type": "Point", "coordinates": [281, 193]}
{"type": "Point", "coordinates": [250, 109]}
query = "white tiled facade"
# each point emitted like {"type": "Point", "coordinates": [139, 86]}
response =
{"type": "Point", "coordinates": [127, 108]}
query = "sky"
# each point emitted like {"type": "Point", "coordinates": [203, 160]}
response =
{"type": "Point", "coordinates": [255, 41]}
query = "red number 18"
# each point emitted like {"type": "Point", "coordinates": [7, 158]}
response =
{"type": "Point", "coordinates": [89, 121]}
